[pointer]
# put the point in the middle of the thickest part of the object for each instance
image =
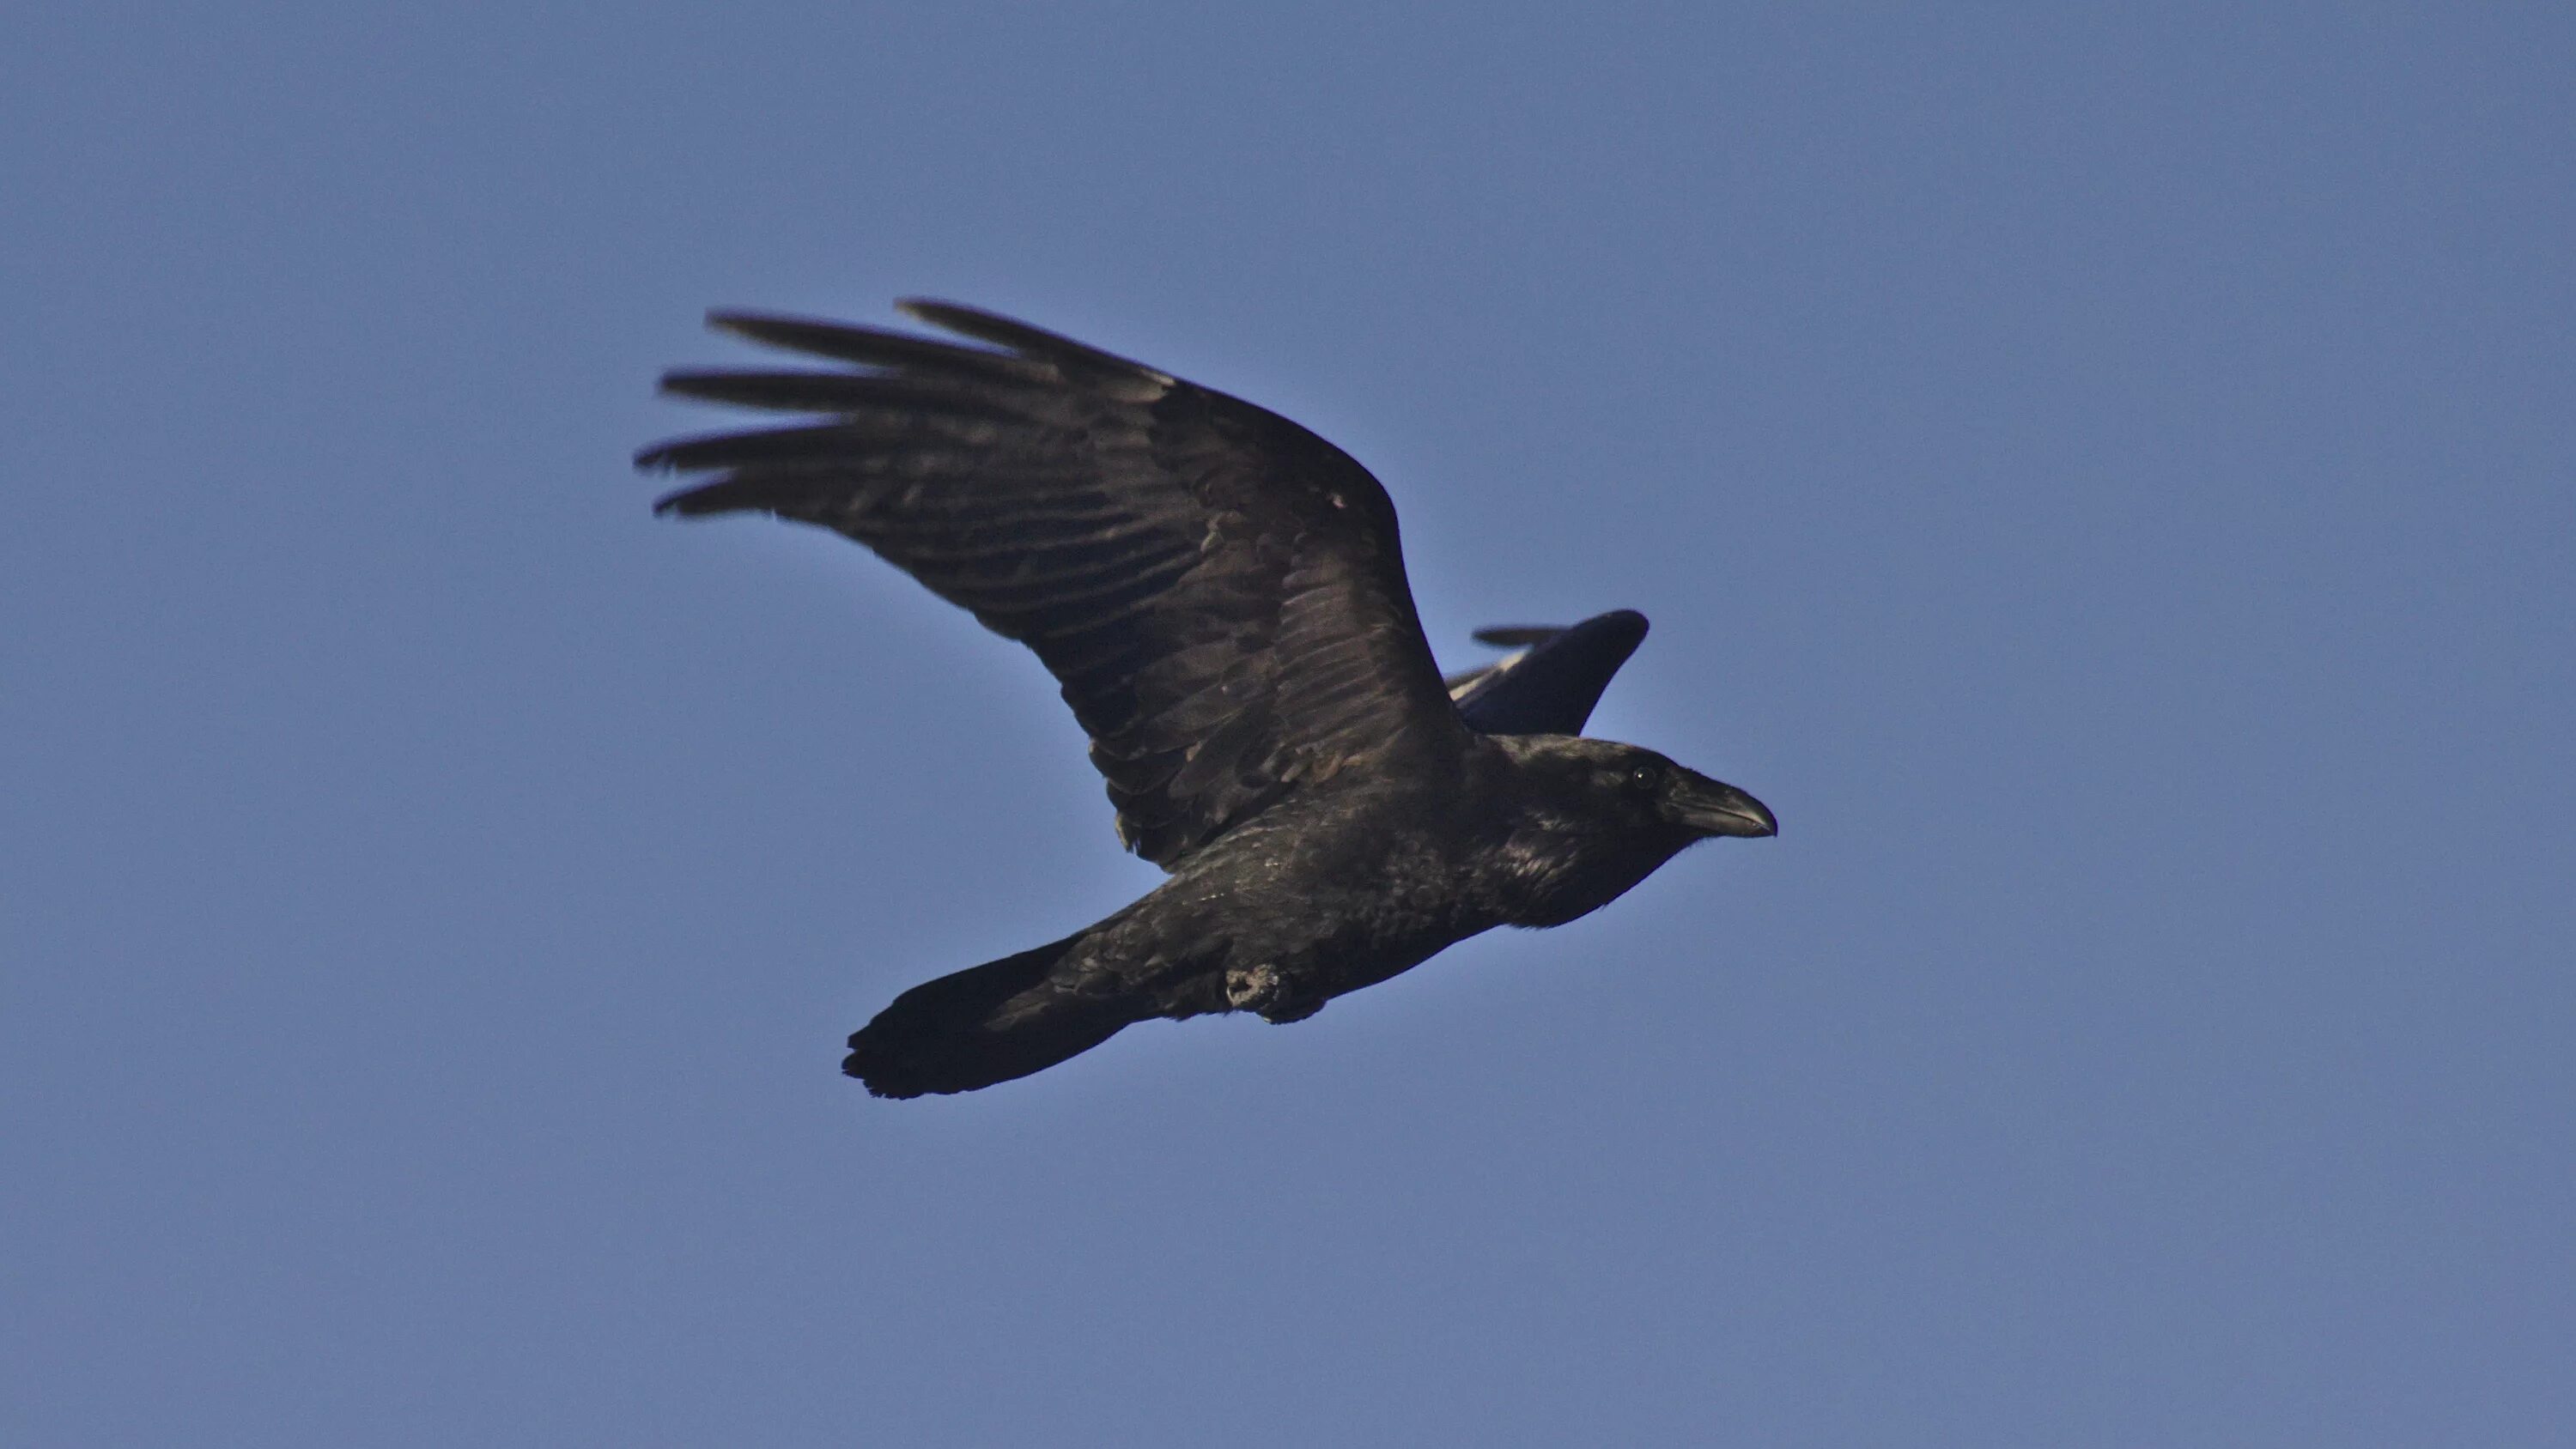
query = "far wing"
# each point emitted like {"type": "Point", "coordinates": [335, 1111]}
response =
{"type": "Point", "coordinates": [1220, 592]}
{"type": "Point", "coordinates": [1550, 687]}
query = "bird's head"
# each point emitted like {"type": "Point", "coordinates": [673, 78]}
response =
{"type": "Point", "coordinates": [1593, 817]}
{"type": "Point", "coordinates": [1635, 791]}
{"type": "Point", "coordinates": [1659, 795]}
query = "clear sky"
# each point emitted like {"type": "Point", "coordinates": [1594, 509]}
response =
{"type": "Point", "coordinates": [2106, 478]}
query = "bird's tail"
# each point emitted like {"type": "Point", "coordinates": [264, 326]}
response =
{"type": "Point", "coordinates": [979, 1026]}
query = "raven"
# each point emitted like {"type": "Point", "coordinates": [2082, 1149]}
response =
{"type": "Point", "coordinates": [1222, 596]}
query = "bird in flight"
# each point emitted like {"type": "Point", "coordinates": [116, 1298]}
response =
{"type": "Point", "coordinates": [1222, 596]}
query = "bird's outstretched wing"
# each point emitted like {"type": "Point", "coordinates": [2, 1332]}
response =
{"type": "Point", "coordinates": [1220, 592]}
{"type": "Point", "coordinates": [1550, 687]}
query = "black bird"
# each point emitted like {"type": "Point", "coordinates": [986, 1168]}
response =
{"type": "Point", "coordinates": [1222, 596]}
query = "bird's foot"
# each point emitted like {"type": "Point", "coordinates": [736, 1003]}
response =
{"type": "Point", "coordinates": [1250, 988]}
{"type": "Point", "coordinates": [1262, 989]}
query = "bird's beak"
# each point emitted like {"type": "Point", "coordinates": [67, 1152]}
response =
{"type": "Point", "coordinates": [1712, 807]}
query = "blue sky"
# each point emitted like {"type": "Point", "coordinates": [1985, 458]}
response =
{"type": "Point", "coordinates": [2103, 477]}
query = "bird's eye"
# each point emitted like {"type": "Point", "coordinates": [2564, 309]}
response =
{"type": "Point", "coordinates": [1644, 777]}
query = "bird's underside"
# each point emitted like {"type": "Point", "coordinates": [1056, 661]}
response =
{"type": "Point", "coordinates": [1221, 595]}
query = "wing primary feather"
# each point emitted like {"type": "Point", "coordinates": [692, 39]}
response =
{"type": "Point", "coordinates": [838, 392]}
{"type": "Point", "coordinates": [1517, 636]}
{"type": "Point", "coordinates": [1030, 341]}
{"type": "Point", "coordinates": [732, 450]}
{"type": "Point", "coordinates": [871, 346]}
{"type": "Point", "coordinates": [755, 494]}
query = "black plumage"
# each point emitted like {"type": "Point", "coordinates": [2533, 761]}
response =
{"type": "Point", "coordinates": [1550, 686]}
{"type": "Point", "coordinates": [1221, 594]}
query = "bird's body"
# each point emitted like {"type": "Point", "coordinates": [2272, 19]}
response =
{"type": "Point", "coordinates": [1221, 594]}
{"type": "Point", "coordinates": [1314, 898]}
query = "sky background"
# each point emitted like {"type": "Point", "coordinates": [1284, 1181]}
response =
{"type": "Point", "coordinates": [2102, 476]}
